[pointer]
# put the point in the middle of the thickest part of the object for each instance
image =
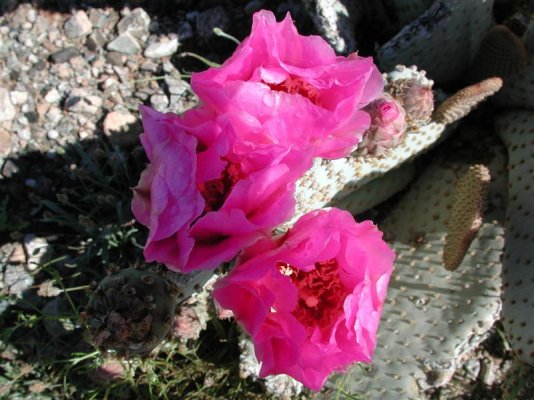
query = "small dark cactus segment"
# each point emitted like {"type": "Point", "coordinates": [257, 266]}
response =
{"type": "Point", "coordinates": [131, 312]}
{"type": "Point", "coordinates": [519, 382]}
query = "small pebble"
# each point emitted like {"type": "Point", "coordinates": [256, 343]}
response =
{"type": "Point", "coordinates": [52, 134]}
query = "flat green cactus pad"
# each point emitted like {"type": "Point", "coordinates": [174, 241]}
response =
{"type": "Point", "coordinates": [376, 191]}
{"type": "Point", "coordinates": [131, 311]}
{"type": "Point", "coordinates": [516, 129]}
{"type": "Point", "coordinates": [337, 178]}
{"type": "Point", "coordinates": [518, 89]}
{"type": "Point", "coordinates": [432, 317]}
{"type": "Point", "coordinates": [408, 10]}
{"type": "Point", "coordinates": [442, 41]}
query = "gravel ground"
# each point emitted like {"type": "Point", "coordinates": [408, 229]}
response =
{"type": "Point", "coordinates": [73, 73]}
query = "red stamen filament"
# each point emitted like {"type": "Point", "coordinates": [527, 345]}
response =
{"type": "Point", "coordinates": [320, 293]}
{"type": "Point", "coordinates": [216, 191]}
{"type": "Point", "coordinates": [294, 85]}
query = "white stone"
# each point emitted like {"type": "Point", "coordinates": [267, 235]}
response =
{"type": "Point", "coordinates": [135, 23]}
{"type": "Point", "coordinates": [118, 122]}
{"type": "Point", "coordinates": [24, 134]}
{"type": "Point", "coordinates": [31, 15]}
{"type": "Point", "coordinates": [163, 48]}
{"type": "Point", "coordinates": [125, 44]}
{"type": "Point", "coordinates": [18, 97]}
{"type": "Point", "coordinates": [54, 115]}
{"type": "Point", "coordinates": [7, 111]}
{"type": "Point", "coordinates": [36, 249]}
{"type": "Point", "coordinates": [78, 25]}
{"type": "Point", "coordinates": [52, 96]}
{"type": "Point", "coordinates": [52, 134]}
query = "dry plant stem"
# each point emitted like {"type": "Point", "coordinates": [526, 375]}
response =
{"type": "Point", "coordinates": [465, 218]}
{"type": "Point", "coordinates": [462, 102]}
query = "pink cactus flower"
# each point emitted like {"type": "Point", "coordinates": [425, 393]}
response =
{"type": "Point", "coordinates": [311, 299]}
{"type": "Point", "coordinates": [206, 194]}
{"type": "Point", "coordinates": [388, 125]}
{"type": "Point", "coordinates": [281, 78]}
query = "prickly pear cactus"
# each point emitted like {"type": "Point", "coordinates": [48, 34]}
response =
{"type": "Point", "coordinates": [518, 90]}
{"type": "Point", "coordinates": [413, 90]}
{"type": "Point", "coordinates": [376, 191]}
{"type": "Point", "coordinates": [501, 54]}
{"type": "Point", "coordinates": [131, 312]}
{"type": "Point", "coordinates": [465, 218]}
{"type": "Point", "coordinates": [442, 41]}
{"type": "Point", "coordinates": [519, 382]}
{"type": "Point", "coordinates": [190, 283]}
{"type": "Point", "coordinates": [462, 102]}
{"type": "Point", "coordinates": [193, 314]}
{"type": "Point", "coordinates": [432, 317]}
{"type": "Point", "coordinates": [329, 179]}
{"type": "Point", "coordinates": [408, 10]}
{"type": "Point", "coordinates": [516, 129]}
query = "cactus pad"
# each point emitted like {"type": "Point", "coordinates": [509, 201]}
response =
{"type": "Point", "coordinates": [518, 90]}
{"type": "Point", "coordinates": [501, 54]}
{"type": "Point", "coordinates": [519, 382]}
{"type": "Point", "coordinates": [466, 214]}
{"type": "Point", "coordinates": [131, 312]}
{"type": "Point", "coordinates": [408, 10]}
{"type": "Point", "coordinates": [516, 129]}
{"type": "Point", "coordinates": [462, 102]}
{"type": "Point", "coordinates": [338, 178]}
{"type": "Point", "coordinates": [330, 178]}
{"type": "Point", "coordinates": [442, 41]}
{"type": "Point", "coordinates": [376, 191]}
{"type": "Point", "coordinates": [432, 317]}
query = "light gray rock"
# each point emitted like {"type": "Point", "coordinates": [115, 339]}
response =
{"type": "Point", "coordinates": [102, 19]}
{"type": "Point", "coordinates": [52, 134]}
{"type": "Point", "coordinates": [17, 279]}
{"type": "Point", "coordinates": [125, 44]}
{"type": "Point", "coordinates": [5, 143]}
{"type": "Point", "coordinates": [176, 86]}
{"type": "Point", "coordinates": [64, 55]}
{"type": "Point", "coordinates": [95, 41]}
{"type": "Point", "coordinates": [160, 102]}
{"type": "Point", "coordinates": [162, 48]}
{"type": "Point", "coordinates": [24, 134]}
{"type": "Point", "coordinates": [52, 96]}
{"type": "Point", "coordinates": [36, 249]}
{"type": "Point", "coordinates": [78, 25]}
{"type": "Point", "coordinates": [136, 23]}
{"type": "Point", "coordinates": [18, 97]}
{"type": "Point", "coordinates": [7, 110]}
{"type": "Point", "coordinates": [149, 65]}
{"type": "Point", "coordinates": [118, 122]}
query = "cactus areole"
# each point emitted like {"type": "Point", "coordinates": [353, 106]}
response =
{"type": "Point", "coordinates": [131, 312]}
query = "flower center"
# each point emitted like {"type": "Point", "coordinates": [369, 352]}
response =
{"type": "Point", "coordinates": [294, 85]}
{"type": "Point", "coordinates": [320, 293]}
{"type": "Point", "coordinates": [217, 190]}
